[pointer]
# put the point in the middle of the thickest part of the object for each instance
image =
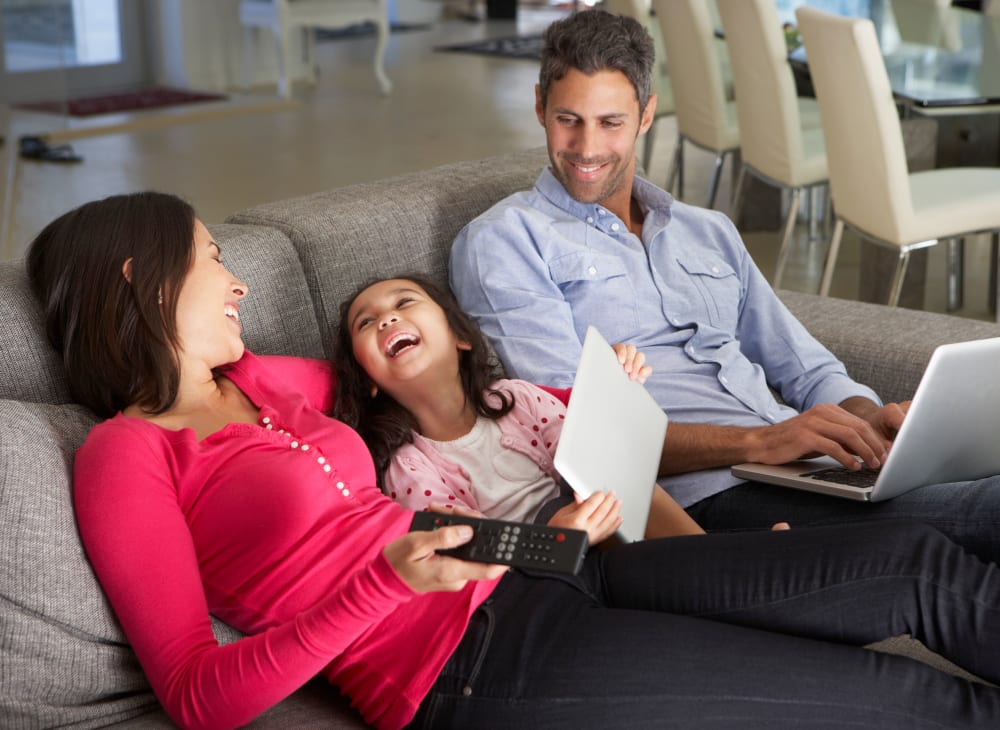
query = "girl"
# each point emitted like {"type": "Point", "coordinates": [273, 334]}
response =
{"type": "Point", "coordinates": [416, 379]}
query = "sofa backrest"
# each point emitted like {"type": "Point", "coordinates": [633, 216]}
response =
{"type": "Point", "coordinates": [348, 236]}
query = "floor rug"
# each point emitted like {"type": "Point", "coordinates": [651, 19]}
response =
{"type": "Point", "coordinates": [154, 98]}
{"type": "Point", "coordinates": [529, 47]}
{"type": "Point", "coordinates": [363, 30]}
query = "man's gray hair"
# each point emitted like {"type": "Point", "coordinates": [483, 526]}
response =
{"type": "Point", "coordinates": [596, 40]}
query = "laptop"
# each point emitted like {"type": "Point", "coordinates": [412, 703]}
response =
{"type": "Point", "coordinates": [951, 433]}
{"type": "Point", "coordinates": [612, 437]}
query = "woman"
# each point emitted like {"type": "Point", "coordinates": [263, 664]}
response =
{"type": "Point", "coordinates": [216, 487]}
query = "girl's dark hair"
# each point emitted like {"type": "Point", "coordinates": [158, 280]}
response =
{"type": "Point", "coordinates": [382, 422]}
{"type": "Point", "coordinates": [117, 337]}
{"type": "Point", "coordinates": [598, 41]}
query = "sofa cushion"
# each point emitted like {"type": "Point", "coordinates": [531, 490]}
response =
{"type": "Point", "coordinates": [278, 315]}
{"type": "Point", "coordinates": [30, 369]}
{"type": "Point", "coordinates": [64, 659]}
{"type": "Point", "coordinates": [349, 235]}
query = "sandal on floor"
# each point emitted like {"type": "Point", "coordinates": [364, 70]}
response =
{"type": "Point", "coordinates": [36, 148]}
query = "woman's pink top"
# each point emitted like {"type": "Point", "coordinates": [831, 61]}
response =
{"type": "Point", "coordinates": [275, 527]}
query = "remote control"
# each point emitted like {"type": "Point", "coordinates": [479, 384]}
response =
{"type": "Point", "coordinates": [518, 544]}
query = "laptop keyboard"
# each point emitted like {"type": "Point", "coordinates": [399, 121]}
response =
{"type": "Point", "coordinates": [839, 475]}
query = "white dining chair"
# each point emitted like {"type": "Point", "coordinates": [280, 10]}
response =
{"type": "Point", "coordinates": [641, 11]}
{"type": "Point", "coordinates": [872, 190]}
{"type": "Point", "coordinates": [776, 145]}
{"type": "Point", "coordinates": [285, 17]}
{"type": "Point", "coordinates": [705, 117]}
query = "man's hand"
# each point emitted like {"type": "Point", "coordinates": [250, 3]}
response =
{"type": "Point", "coordinates": [632, 362]}
{"type": "Point", "coordinates": [415, 560]}
{"type": "Point", "coordinates": [599, 515]}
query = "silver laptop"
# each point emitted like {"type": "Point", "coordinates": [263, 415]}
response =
{"type": "Point", "coordinates": [951, 433]}
{"type": "Point", "coordinates": [613, 435]}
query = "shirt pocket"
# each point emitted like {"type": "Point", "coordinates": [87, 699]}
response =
{"type": "Point", "coordinates": [600, 293]}
{"type": "Point", "coordinates": [718, 287]}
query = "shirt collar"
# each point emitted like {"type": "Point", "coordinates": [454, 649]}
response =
{"type": "Point", "coordinates": [650, 197]}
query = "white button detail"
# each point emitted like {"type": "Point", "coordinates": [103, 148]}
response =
{"type": "Point", "coordinates": [305, 447]}
{"type": "Point", "coordinates": [601, 211]}
{"type": "Point", "coordinates": [327, 468]}
{"type": "Point", "coordinates": [321, 460]}
{"type": "Point", "coordinates": [592, 270]}
{"type": "Point", "coordinates": [690, 350]}
{"type": "Point", "coordinates": [266, 420]}
{"type": "Point", "coordinates": [724, 379]}
{"type": "Point", "coordinates": [340, 485]}
{"type": "Point", "coordinates": [615, 226]}
{"type": "Point", "coordinates": [294, 444]}
{"type": "Point", "coordinates": [590, 219]}
{"type": "Point", "coordinates": [715, 269]}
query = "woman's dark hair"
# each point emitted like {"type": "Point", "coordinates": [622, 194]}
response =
{"type": "Point", "coordinates": [382, 422]}
{"type": "Point", "coordinates": [598, 41]}
{"type": "Point", "coordinates": [117, 336]}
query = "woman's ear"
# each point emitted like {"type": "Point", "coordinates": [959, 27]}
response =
{"type": "Point", "coordinates": [374, 390]}
{"type": "Point", "coordinates": [463, 345]}
{"type": "Point", "coordinates": [127, 269]}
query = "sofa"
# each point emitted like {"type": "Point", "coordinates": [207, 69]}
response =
{"type": "Point", "coordinates": [63, 658]}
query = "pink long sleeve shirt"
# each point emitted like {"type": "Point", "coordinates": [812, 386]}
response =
{"type": "Point", "coordinates": [275, 527]}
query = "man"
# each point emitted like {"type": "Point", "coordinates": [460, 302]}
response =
{"type": "Point", "coordinates": [594, 244]}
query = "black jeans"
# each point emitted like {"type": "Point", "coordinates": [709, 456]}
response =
{"type": "Point", "coordinates": [738, 630]}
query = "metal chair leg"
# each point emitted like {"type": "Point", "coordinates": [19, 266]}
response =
{"type": "Point", "coordinates": [994, 304]}
{"type": "Point", "coordinates": [676, 175]}
{"type": "Point", "coordinates": [831, 257]}
{"type": "Point", "coordinates": [737, 209]}
{"type": "Point", "coordinates": [786, 237]}
{"type": "Point", "coordinates": [647, 147]}
{"type": "Point", "coordinates": [897, 278]}
{"type": "Point", "coordinates": [720, 160]}
{"type": "Point", "coordinates": [955, 249]}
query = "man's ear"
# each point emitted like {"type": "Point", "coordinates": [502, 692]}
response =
{"type": "Point", "coordinates": [127, 269]}
{"type": "Point", "coordinates": [539, 105]}
{"type": "Point", "coordinates": [647, 114]}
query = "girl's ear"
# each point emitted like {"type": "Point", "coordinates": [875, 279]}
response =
{"type": "Point", "coordinates": [127, 269]}
{"type": "Point", "coordinates": [374, 390]}
{"type": "Point", "coordinates": [463, 345]}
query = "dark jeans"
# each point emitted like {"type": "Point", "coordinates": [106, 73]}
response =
{"type": "Point", "coordinates": [746, 630]}
{"type": "Point", "coordinates": [967, 512]}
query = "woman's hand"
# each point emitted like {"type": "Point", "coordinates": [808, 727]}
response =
{"type": "Point", "coordinates": [632, 362]}
{"type": "Point", "coordinates": [414, 558]}
{"type": "Point", "coordinates": [599, 515]}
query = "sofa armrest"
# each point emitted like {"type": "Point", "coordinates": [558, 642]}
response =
{"type": "Point", "coordinates": [886, 348]}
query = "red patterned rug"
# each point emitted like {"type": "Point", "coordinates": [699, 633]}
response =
{"type": "Point", "coordinates": [153, 98]}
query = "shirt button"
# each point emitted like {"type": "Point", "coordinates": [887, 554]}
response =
{"type": "Point", "coordinates": [690, 350]}
{"type": "Point", "coordinates": [294, 444]}
{"type": "Point", "coordinates": [321, 460]}
{"type": "Point", "coordinates": [592, 270]}
{"type": "Point", "coordinates": [724, 379]}
{"type": "Point", "coordinates": [265, 420]}
{"type": "Point", "coordinates": [340, 485]}
{"type": "Point", "coordinates": [590, 219]}
{"type": "Point", "coordinates": [600, 211]}
{"type": "Point", "coordinates": [715, 269]}
{"type": "Point", "coordinates": [327, 468]}
{"type": "Point", "coordinates": [675, 322]}
{"type": "Point", "coordinates": [615, 226]}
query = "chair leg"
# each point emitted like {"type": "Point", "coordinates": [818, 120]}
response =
{"type": "Point", "coordinates": [994, 303]}
{"type": "Point", "coordinates": [737, 210]}
{"type": "Point", "coordinates": [956, 272]}
{"type": "Point", "coordinates": [382, 40]}
{"type": "Point", "coordinates": [897, 279]}
{"type": "Point", "coordinates": [284, 56]}
{"type": "Point", "coordinates": [786, 236]}
{"type": "Point", "coordinates": [713, 188]}
{"type": "Point", "coordinates": [249, 57]}
{"type": "Point", "coordinates": [647, 147]}
{"type": "Point", "coordinates": [676, 175]}
{"type": "Point", "coordinates": [831, 257]}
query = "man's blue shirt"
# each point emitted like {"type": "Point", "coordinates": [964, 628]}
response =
{"type": "Point", "coordinates": [539, 267]}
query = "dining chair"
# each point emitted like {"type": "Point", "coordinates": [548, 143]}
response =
{"type": "Point", "coordinates": [873, 192]}
{"type": "Point", "coordinates": [774, 146]}
{"type": "Point", "coordinates": [283, 17]}
{"type": "Point", "coordinates": [705, 117]}
{"type": "Point", "coordinates": [641, 11]}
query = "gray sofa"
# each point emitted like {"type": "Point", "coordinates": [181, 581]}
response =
{"type": "Point", "coordinates": [63, 659]}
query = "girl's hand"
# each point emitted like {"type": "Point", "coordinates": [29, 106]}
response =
{"type": "Point", "coordinates": [632, 361]}
{"type": "Point", "coordinates": [415, 560]}
{"type": "Point", "coordinates": [599, 515]}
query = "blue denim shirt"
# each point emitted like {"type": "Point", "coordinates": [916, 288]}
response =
{"type": "Point", "coordinates": [539, 267]}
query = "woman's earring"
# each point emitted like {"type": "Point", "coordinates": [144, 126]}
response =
{"type": "Point", "coordinates": [159, 297]}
